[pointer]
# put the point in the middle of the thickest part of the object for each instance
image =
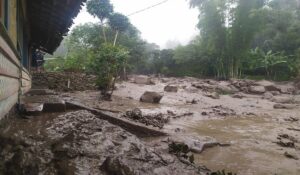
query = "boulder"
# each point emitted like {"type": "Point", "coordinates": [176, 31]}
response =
{"type": "Point", "coordinates": [225, 89]}
{"type": "Point", "coordinates": [257, 89]}
{"type": "Point", "coordinates": [171, 88]}
{"type": "Point", "coordinates": [143, 80]}
{"type": "Point", "coordinates": [151, 97]}
{"type": "Point", "coordinates": [238, 95]}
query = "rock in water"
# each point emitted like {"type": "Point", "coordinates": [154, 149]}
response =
{"type": "Point", "coordinates": [213, 95]}
{"type": "Point", "coordinates": [257, 89]}
{"type": "Point", "coordinates": [143, 80]}
{"type": "Point", "coordinates": [268, 95]}
{"type": "Point", "coordinates": [171, 88]}
{"type": "Point", "coordinates": [151, 97]}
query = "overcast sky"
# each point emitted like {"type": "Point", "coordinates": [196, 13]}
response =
{"type": "Point", "coordinates": [171, 21]}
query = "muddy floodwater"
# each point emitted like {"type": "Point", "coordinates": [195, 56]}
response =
{"type": "Point", "coordinates": [252, 149]}
{"type": "Point", "coordinates": [241, 126]}
{"type": "Point", "coordinates": [263, 138]}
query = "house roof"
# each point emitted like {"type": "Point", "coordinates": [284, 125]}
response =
{"type": "Point", "coordinates": [50, 20]}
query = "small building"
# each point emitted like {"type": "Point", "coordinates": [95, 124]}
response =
{"type": "Point", "coordinates": [26, 25]}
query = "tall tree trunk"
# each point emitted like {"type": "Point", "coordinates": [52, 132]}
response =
{"type": "Point", "coordinates": [103, 32]}
{"type": "Point", "coordinates": [116, 36]}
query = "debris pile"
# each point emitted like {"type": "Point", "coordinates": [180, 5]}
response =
{"type": "Point", "coordinates": [155, 120]}
{"type": "Point", "coordinates": [64, 81]}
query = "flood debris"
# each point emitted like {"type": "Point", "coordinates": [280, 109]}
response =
{"type": "Point", "coordinates": [291, 119]}
{"type": "Point", "coordinates": [286, 140]}
{"type": "Point", "coordinates": [194, 144]}
{"type": "Point", "coordinates": [222, 111]}
{"type": "Point", "coordinates": [155, 120]}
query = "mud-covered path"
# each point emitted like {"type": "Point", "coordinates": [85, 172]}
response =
{"type": "Point", "coordinates": [263, 139]}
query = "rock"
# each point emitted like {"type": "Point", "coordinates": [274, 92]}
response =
{"type": "Point", "coordinates": [171, 88]}
{"type": "Point", "coordinates": [164, 80]}
{"type": "Point", "coordinates": [287, 89]}
{"type": "Point", "coordinates": [275, 92]}
{"type": "Point", "coordinates": [225, 89]}
{"type": "Point", "coordinates": [257, 89]}
{"type": "Point", "coordinates": [234, 89]}
{"type": "Point", "coordinates": [272, 88]}
{"type": "Point", "coordinates": [283, 99]}
{"type": "Point", "coordinates": [213, 95]}
{"type": "Point", "coordinates": [151, 97]}
{"type": "Point", "coordinates": [204, 87]}
{"type": "Point", "coordinates": [238, 95]}
{"type": "Point", "coordinates": [117, 166]}
{"type": "Point", "coordinates": [141, 79]}
{"type": "Point", "coordinates": [194, 101]}
{"type": "Point", "coordinates": [245, 89]}
{"type": "Point", "coordinates": [284, 106]}
{"type": "Point", "coordinates": [204, 113]}
{"type": "Point", "coordinates": [268, 95]}
{"type": "Point", "coordinates": [290, 156]}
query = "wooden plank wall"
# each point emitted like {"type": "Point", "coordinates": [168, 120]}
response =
{"type": "Point", "coordinates": [13, 81]}
{"type": "Point", "coordinates": [25, 81]}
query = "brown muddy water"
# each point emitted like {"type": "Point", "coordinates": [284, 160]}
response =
{"type": "Point", "coordinates": [252, 149]}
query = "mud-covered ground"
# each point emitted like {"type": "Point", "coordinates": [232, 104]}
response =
{"type": "Point", "coordinates": [258, 119]}
{"type": "Point", "coordinates": [78, 142]}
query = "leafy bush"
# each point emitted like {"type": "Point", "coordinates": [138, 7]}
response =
{"type": "Point", "coordinates": [106, 63]}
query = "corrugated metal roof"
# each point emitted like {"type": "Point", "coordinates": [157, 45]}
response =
{"type": "Point", "coordinates": [50, 20]}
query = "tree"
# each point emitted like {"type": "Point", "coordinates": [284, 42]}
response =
{"type": "Point", "coordinates": [119, 23]}
{"type": "Point", "coordinates": [106, 63]}
{"type": "Point", "coordinates": [102, 9]}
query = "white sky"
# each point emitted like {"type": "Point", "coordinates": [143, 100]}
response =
{"type": "Point", "coordinates": [171, 21]}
